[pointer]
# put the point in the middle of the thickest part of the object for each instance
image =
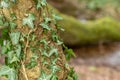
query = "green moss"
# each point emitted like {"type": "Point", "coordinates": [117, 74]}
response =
{"type": "Point", "coordinates": [89, 32]}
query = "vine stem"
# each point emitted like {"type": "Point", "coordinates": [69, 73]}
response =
{"type": "Point", "coordinates": [25, 51]}
{"type": "Point", "coordinates": [24, 73]}
{"type": "Point", "coordinates": [27, 43]}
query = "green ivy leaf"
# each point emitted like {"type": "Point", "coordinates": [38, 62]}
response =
{"type": "Point", "coordinates": [7, 71]}
{"type": "Point", "coordinates": [3, 23]}
{"type": "Point", "coordinates": [29, 20]}
{"type": "Point", "coordinates": [47, 20]}
{"type": "Point", "coordinates": [1, 20]}
{"type": "Point", "coordinates": [56, 17]}
{"type": "Point", "coordinates": [10, 55]}
{"type": "Point", "coordinates": [33, 62]}
{"type": "Point", "coordinates": [4, 4]}
{"type": "Point", "coordinates": [18, 50]}
{"type": "Point", "coordinates": [72, 75]}
{"type": "Point", "coordinates": [13, 16]}
{"type": "Point", "coordinates": [4, 49]}
{"type": "Point", "coordinates": [45, 26]}
{"type": "Point", "coordinates": [14, 59]}
{"type": "Point", "coordinates": [14, 36]}
{"type": "Point", "coordinates": [44, 53]}
{"type": "Point", "coordinates": [53, 51]}
{"type": "Point", "coordinates": [54, 77]}
{"type": "Point", "coordinates": [12, 25]}
{"type": "Point", "coordinates": [41, 3]}
{"type": "Point", "coordinates": [68, 53]}
{"type": "Point", "coordinates": [44, 76]}
{"type": "Point", "coordinates": [54, 68]}
{"type": "Point", "coordinates": [55, 38]}
{"type": "Point", "coordinates": [13, 1]}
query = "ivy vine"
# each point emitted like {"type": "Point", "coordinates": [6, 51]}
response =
{"type": "Point", "coordinates": [13, 47]}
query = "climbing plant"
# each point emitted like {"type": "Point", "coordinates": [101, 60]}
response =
{"type": "Point", "coordinates": [34, 44]}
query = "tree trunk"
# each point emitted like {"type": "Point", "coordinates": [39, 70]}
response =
{"type": "Point", "coordinates": [38, 40]}
{"type": "Point", "coordinates": [83, 32]}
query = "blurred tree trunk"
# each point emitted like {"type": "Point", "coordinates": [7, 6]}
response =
{"type": "Point", "coordinates": [70, 7]}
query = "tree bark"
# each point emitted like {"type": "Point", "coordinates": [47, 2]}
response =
{"type": "Point", "coordinates": [21, 9]}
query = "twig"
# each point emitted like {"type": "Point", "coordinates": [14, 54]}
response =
{"type": "Point", "coordinates": [24, 71]}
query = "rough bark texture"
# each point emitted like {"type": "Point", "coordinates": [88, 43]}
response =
{"type": "Point", "coordinates": [21, 9]}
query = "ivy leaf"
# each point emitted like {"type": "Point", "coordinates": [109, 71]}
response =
{"type": "Point", "coordinates": [10, 55]}
{"type": "Point", "coordinates": [38, 4]}
{"type": "Point", "coordinates": [13, 25]}
{"type": "Point", "coordinates": [4, 50]}
{"type": "Point", "coordinates": [1, 20]}
{"type": "Point", "coordinates": [4, 4]}
{"type": "Point", "coordinates": [13, 16]}
{"type": "Point", "coordinates": [55, 38]}
{"type": "Point", "coordinates": [3, 23]}
{"type": "Point", "coordinates": [9, 72]}
{"type": "Point", "coordinates": [5, 47]}
{"type": "Point", "coordinates": [44, 76]}
{"type": "Point", "coordinates": [54, 68]}
{"type": "Point", "coordinates": [44, 53]}
{"type": "Point", "coordinates": [56, 17]}
{"type": "Point", "coordinates": [13, 1]}
{"type": "Point", "coordinates": [14, 59]}
{"type": "Point", "coordinates": [68, 53]}
{"type": "Point", "coordinates": [54, 77]}
{"type": "Point", "coordinates": [18, 50]}
{"type": "Point", "coordinates": [53, 51]}
{"type": "Point", "coordinates": [45, 26]}
{"type": "Point", "coordinates": [41, 3]}
{"type": "Point", "coordinates": [47, 20]}
{"type": "Point", "coordinates": [33, 61]}
{"type": "Point", "coordinates": [72, 75]}
{"type": "Point", "coordinates": [29, 20]}
{"type": "Point", "coordinates": [14, 36]}
{"type": "Point", "coordinates": [8, 45]}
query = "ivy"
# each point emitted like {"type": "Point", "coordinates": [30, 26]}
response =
{"type": "Point", "coordinates": [53, 51]}
{"type": "Point", "coordinates": [15, 43]}
{"type": "Point", "coordinates": [14, 1]}
{"type": "Point", "coordinates": [9, 72]}
{"type": "Point", "coordinates": [44, 76]}
{"type": "Point", "coordinates": [3, 36]}
{"type": "Point", "coordinates": [56, 17]}
{"type": "Point", "coordinates": [33, 62]}
{"type": "Point", "coordinates": [3, 23]}
{"type": "Point", "coordinates": [29, 20]}
{"type": "Point", "coordinates": [54, 68]}
{"type": "Point", "coordinates": [15, 36]}
{"type": "Point", "coordinates": [18, 50]}
{"type": "Point", "coordinates": [54, 77]}
{"type": "Point", "coordinates": [45, 26]}
{"type": "Point", "coordinates": [4, 4]}
{"type": "Point", "coordinates": [68, 53]}
{"type": "Point", "coordinates": [72, 75]}
{"type": "Point", "coordinates": [55, 38]}
{"type": "Point", "coordinates": [40, 3]}
{"type": "Point", "coordinates": [12, 25]}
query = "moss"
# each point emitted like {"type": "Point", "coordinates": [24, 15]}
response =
{"type": "Point", "coordinates": [89, 32]}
